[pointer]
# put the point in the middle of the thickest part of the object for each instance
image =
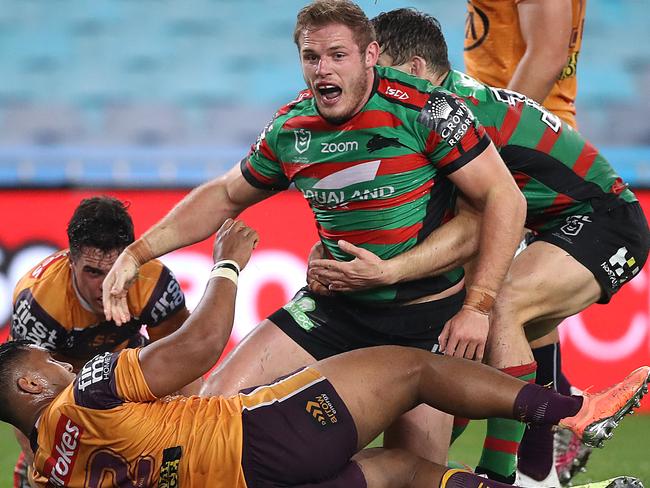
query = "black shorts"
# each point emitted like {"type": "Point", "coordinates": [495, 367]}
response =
{"type": "Point", "coordinates": [325, 326]}
{"type": "Point", "coordinates": [611, 243]}
{"type": "Point", "coordinates": [298, 432]}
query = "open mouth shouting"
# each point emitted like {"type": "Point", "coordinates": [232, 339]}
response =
{"type": "Point", "coordinates": [329, 93]}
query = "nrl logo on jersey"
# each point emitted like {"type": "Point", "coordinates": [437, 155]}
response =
{"type": "Point", "coordinates": [303, 138]}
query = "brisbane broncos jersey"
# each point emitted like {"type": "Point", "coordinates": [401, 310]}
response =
{"type": "Point", "coordinates": [49, 313]}
{"type": "Point", "coordinates": [557, 170]}
{"type": "Point", "coordinates": [494, 46]}
{"type": "Point", "coordinates": [375, 180]}
{"type": "Point", "coordinates": [108, 429]}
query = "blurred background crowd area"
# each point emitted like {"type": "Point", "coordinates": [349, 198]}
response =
{"type": "Point", "coordinates": [173, 92]}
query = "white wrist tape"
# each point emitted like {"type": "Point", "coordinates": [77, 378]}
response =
{"type": "Point", "coordinates": [226, 268]}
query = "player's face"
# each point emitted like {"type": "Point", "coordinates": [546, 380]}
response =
{"type": "Point", "coordinates": [337, 73]}
{"type": "Point", "coordinates": [88, 271]}
{"type": "Point", "coordinates": [55, 373]}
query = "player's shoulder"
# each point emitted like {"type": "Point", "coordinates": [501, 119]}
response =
{"type": "Point", "coordinates": [304, 99]}
{"type": "Point", "coordinates": [49, 272]}
{"type": "Point", "coordinates": [302, 104]}
{"type": "Point", "coordinates": [156, 294]}
{"type": "Point", "coordinates": [48, 282]}
{"type": "Point", "coordinates": [150, 269]}
{"type": "Point", "coordinates": [466, 87]}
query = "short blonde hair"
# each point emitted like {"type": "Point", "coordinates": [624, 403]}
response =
{"type": "Point", "coordinates": [320, 13]}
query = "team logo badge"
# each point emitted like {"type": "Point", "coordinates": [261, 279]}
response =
{"type": "Point", "coordinates": [574, 224]}
{"type": "Point", "coordinates": [303, 138]}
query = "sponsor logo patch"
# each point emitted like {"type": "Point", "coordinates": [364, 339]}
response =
{"type": "Point", "coordinates": [447, 116]}
{"type": "Point", "coordinates": [441, 109]}
{"type": "Point", "coordinates": [338, 147]}
{"type": "Point", "coordinates": [170, 300]}
{"type": "Point", "coordinates": [60, 464]}
{"type": "Point", "coordinates": [298, 308]}
{"type": "Point", "coordinates": [96, 370]}
{"type": "Point", "coordinates": [169, 467]}
{"type": "Point", "coordinates": [620, 268]}
{"type": "Point", "coordinates": [397, 93]}
{"type": "Point", "coordinates": [25, 324]}
{"type": "Point", "coordinates": [322, 410]}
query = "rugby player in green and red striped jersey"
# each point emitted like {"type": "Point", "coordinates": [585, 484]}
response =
{"type": "Point", "coordinates": [592, 236]}
{"type": "Point", "coordinates": [377, 154]}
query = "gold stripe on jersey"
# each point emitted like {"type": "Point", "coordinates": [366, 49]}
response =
{"type": "Point", "coordinates": [280, 390]}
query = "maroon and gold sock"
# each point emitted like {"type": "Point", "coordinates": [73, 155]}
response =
{"type": "Point", "coordinates": [538, 405]}
{"type": "Point", "coordinates": [535, 456]}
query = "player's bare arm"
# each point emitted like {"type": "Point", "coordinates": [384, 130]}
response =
{"type": "Point", "coordinates": [168, 327]}
{"type": "Point", "coordinates": [204, 334]}
{"type": "Point", "coordinates": [193, 219]}
{"type": "Point", "coordinates": [446, 248]}
{"type": "Point", "coordinates": [490, 189]}
{"type": "Point", "coordinates": [545, 26]}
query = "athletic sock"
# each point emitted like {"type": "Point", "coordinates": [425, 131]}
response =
{"type": "Point", "coordinates": [563, 385]}
{"type": "Point", "coordinates": [499, 456]}
{"type": "Point", "coordinates": [538, 405]}
{"type": "Point", "coordinates": [460, 424]}
{"type": "Point", "coordinates": [457, 478]}
{"type": "Point", "coordinates": [535, 455]}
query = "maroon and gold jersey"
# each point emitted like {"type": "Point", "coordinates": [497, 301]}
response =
{"type": "Point", "coordinates": [107, 429]}
{"type": "Point", "coordinates": [494, 47]}
{"type": "Point", "coordinates": [49, 313]}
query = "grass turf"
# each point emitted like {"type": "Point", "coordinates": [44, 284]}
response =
{"type": "Point", "coordinates": [628, 452]}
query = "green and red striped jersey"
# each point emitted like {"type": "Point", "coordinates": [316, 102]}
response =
{"type": "Point", "coordinates": [557, 170]}
{"type": "Point", "coordinates": [376, 180]}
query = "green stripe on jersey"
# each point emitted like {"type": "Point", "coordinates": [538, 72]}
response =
{"type": "Point", "coordinates": [545, 205]}
{"type": "Point", "coordinates": [387, 153]}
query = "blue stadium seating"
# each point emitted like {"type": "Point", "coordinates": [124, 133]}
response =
{"type": "Point", "coordinates": [164, 72]}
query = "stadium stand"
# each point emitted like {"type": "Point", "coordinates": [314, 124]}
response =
{"type": "Point", "coordinates": [131, 76]}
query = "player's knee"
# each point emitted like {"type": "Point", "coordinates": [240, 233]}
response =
{"type": "Point", "coordinates": [394, 467]}
{"type": "Point", "coordinates": [220, 383]}
{"type": "Point", "coordinates": [511, 307]}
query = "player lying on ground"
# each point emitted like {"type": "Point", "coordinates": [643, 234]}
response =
{"type": "Point", "coordinates": [113, 422]}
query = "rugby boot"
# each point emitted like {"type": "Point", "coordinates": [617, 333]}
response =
{"type": "Point", "coordinates": [618, 482]}
{"type": "Point", "coordinates": [571, 455]}
{"type": "Point", "coordinates": [601, 412]}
